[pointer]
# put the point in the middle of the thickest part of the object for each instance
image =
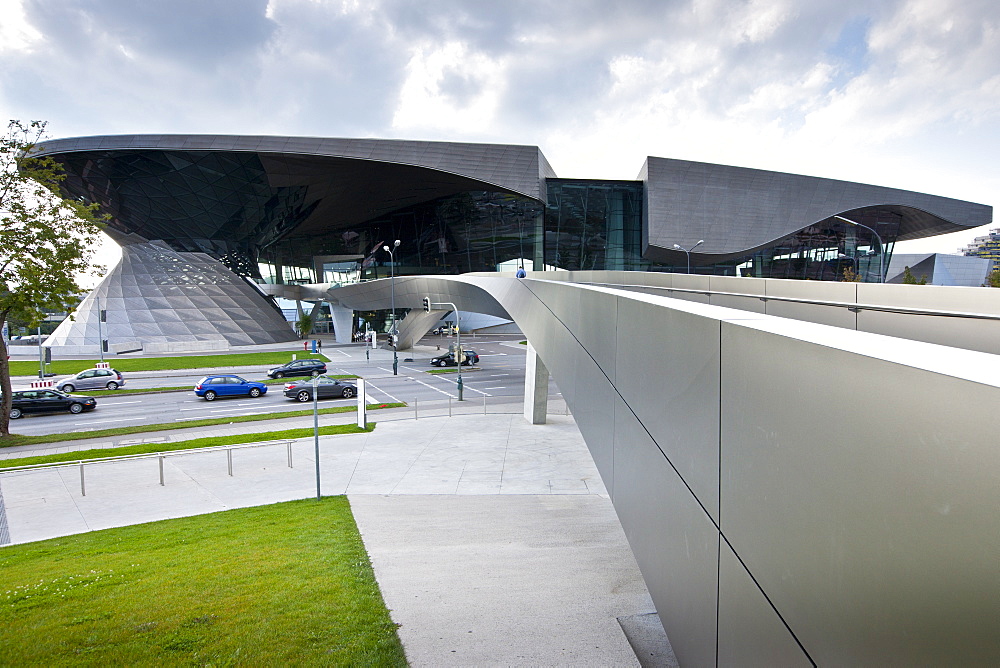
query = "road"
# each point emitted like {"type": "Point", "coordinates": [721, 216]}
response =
{"type": "Point", "coordinates": [499, 378]}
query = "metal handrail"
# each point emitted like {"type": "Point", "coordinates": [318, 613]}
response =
{"type": "Point", "coordinates": [854, 306]}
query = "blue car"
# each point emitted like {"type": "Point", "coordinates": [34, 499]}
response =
{"type": "Point", "coordinates": [211, 387]}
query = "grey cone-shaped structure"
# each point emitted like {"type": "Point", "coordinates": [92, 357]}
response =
{"type": "Point", "coordinates": [157, 296]}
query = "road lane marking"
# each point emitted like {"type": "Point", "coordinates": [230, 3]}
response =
{"type": "Point", "coordinates": [371, 385]}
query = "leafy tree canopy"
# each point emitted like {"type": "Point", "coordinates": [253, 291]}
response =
{"type": "Point", "coordinates": [46, 240]}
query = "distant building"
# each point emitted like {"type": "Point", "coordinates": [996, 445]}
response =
{"type": "Point", "coordinates": [986, 246]}
{"type": "Point", "coordinates": [940, 269]}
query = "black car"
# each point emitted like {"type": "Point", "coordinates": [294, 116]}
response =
{"type": "Point", "coordinates": [328, 388]}
{"type": "Point", "coordinates": [448, 359]}
{"type": "Point", "coordinates": [48, 401]}
{"type": "Point", "coordinates": [298, 368]}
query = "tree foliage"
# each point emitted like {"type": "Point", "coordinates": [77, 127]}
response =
{"type": "Point", "coordinates": [46, 240]}
{"type": "Point", "coordinates": [910, 279]}
{"type": "Point", "coordinates": [993, 280]}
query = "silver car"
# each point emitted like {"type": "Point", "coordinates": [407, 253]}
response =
{"type": "Point", "coordinates": [92, 379]}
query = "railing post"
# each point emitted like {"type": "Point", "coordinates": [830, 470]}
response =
{"type": "Point", "coordinates": [161, 471]}
{"type": "Point", "coordinates": [229, 460]}
{"type": "Point", "coordinates": [83, 487]}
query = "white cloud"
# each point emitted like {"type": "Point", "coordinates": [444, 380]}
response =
{"type": "Point", "coordinates": [903, 93]}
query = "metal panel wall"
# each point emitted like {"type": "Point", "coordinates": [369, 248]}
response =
{"type": "Point", "coordinates": [852, 478]}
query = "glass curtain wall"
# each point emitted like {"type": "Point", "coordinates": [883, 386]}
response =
{"type": "Point", "coordinates": [594, 225]}
{"type": "Point", "coordinates": [471, 231]}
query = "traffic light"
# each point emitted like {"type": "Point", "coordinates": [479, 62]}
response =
{"type": "Point", "coordinates": [427, 304]}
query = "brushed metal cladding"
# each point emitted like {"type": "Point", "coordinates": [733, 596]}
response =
{"type": "Point", "coordinates": [750, 632]}
{"type": "Point", "coordinates": [857, 481]}
{"type": "Point", "coordinates": [516, 167]}
{"type": "Point", "coordinates": [835, 316]}
{"type": "Point", "coordinates": [933, 297]}
{"type": "Point", "coordinates": [675, 544]}
{"type": "Point", "coordinates": [737, 209]}
{"type": "Point", "coordinates": [680, 402]}
{"type": "Point", "coordinates": [982, 335]}
{"type": "Point", "coordinates": [862, 496]}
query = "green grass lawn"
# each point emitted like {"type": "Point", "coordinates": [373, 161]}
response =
{"type": "Point", "coordinates": [17, 439]}
{"type": "Point", "coordinates": [190, 444]}
{"type": "Point", "coordinates": [284, 584]}
{"type": "Point", "coordinates": [127, 364]}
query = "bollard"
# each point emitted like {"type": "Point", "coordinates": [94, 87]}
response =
{"type": "Point", "coordinates": [289, 444]}
{"type": "Point", "coordinates": [83, 488]}
{"type": "Point", "coordinates": [161, 471]}
{"type": "Point", "coordinates": [484, 404]}
{"type": "Point", "coordinates": [229, 459]}
{"type": "Point", "coordinates": [415, 409]}
{"type": "Point", "coordinates": [449, 406]}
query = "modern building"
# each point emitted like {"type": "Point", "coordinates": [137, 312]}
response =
{"type": "Point", "coordinates": [987, 246]}
{"type": "Point", "coordinates": [295, 211]}
{"type": "Point", "coordinates": [940, 269]}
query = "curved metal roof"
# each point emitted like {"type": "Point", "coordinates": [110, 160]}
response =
{"type": "Point", "coordinates": [737, 210]}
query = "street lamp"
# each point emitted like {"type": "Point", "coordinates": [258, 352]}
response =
{"type": "Point", "coordinates": [688, 251]}
{"type": "Point", "coordinates": [881, 246]}
{"type": "Point", "coordinates": [394, 332]}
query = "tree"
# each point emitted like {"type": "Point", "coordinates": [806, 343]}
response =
{"type": "Point", "coordinates": [910, 279]}
{"type": "Point", "coordinates": [993, 280]}
{"type": "Point", "coordinates": [46, 240]}
{"type": "Point", "coordinates": [850, 276]}
{"type": "Point", "coordinates": [304, 325]}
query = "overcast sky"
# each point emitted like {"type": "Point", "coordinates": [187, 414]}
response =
{"type": "Point", "coordinates": [900, 93]}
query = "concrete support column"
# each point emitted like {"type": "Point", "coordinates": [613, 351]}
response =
{"type": "Point", "coordinates": [343, 320]}
{"type": "Point", "coordinates": [536, 388]}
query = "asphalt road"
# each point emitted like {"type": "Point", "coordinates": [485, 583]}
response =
{"type": "Point", "coordinates": [499, 378]}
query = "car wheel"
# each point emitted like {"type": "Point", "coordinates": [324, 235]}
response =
{"type": "Point", "coordinates": [348, 392]}
{"type": "Point", "coordinates": [254, 392]}
{"type": "Point", "coordinates": [314, 373]}
{"type": "Point", "coordinates": [279, 375]}
{"type": "Point", "coordinates": [112, 385]}
{"type": "Point", "coordinates": [68, 388]}
{"type": "Point", "coordinates": [15, 413]}
{"type": "Point", "coordinates": [210, 396]}
{"type": "Point", "coordinates": [442, 363]}
{"type": "Point", "coordinates": [303, 396]}
{"type": "Point", "coordinates": [76, 408]}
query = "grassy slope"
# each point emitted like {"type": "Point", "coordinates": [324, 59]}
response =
{"type": "Point", "coordinates": [15, 439]}
{"type": "Point", "coordinates": [191, 444]}
{"type": "Point", "coordinates": [285, 584]}
{"type": "Point", "coordinates": [127, 364]}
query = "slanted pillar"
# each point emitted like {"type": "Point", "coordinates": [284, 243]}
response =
{"type": "Point", "coordinates": [536, 388]}
{"type": "Point", "coordinates": [343, 322]}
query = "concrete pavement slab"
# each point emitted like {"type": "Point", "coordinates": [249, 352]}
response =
{"type": "Point", "coordinates": [493, 540]}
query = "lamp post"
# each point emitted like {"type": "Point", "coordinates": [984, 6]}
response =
{"type": "Point", "coordinates": [881, 246]}
{"type": "Point", "coordinates": [394, 332]}
{"type": "Point", "coordinates": [458, 338]}
{"type": "Point", "coordinates": [688, 251]}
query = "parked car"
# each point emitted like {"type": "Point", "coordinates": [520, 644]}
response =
{"type": "Point", "coordinates": [448, 359]}
{"type": "Point", "coordinates": [211, 387]}
{"type": "Point", "coordinates": [328, 388]}
{"type": "Point", "coordinates": [48, 401]}
{"type": "Point", "coordinates": [298, 368]}
{"type": "Point", "coordinates": [92, 379]}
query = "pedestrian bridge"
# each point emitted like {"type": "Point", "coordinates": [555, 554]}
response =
{"type": "Point", "coordinates": [794, 493]}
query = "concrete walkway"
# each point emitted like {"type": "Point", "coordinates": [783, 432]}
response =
{"type": "Point", "coordinates": [494, 541]}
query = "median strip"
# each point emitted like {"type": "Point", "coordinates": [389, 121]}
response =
{"type": "Point", "coordinates": [14, 440]}
{"type": "Point", "coordinates": [191, 444]}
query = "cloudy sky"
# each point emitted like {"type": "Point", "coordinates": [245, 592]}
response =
{"type": "Point", "coordinates": [901, 93]}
